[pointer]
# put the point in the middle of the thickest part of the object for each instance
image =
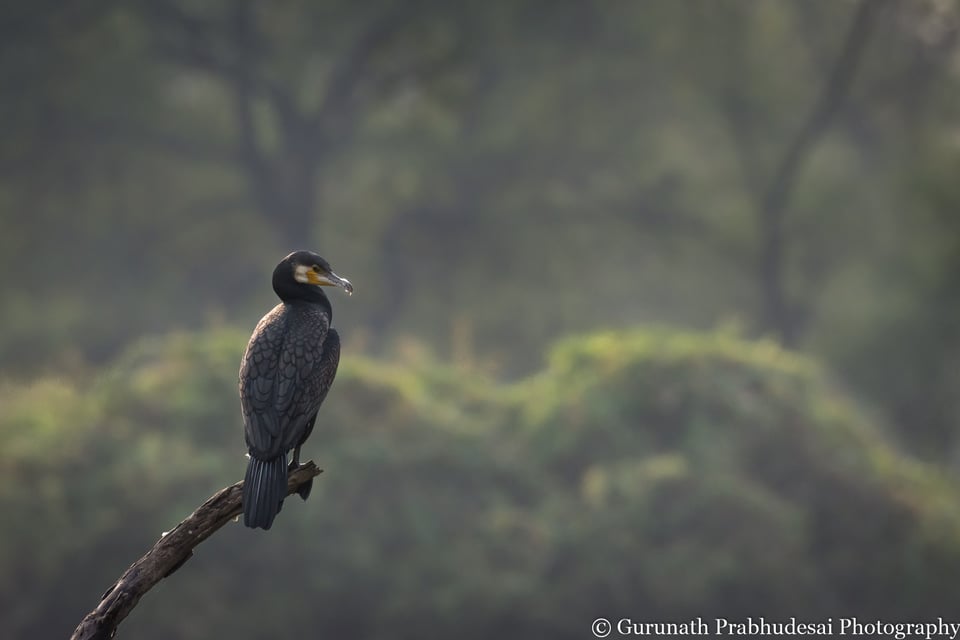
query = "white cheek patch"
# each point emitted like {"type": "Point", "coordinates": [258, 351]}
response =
{"type": "Point", "coordinates": [300, 273]}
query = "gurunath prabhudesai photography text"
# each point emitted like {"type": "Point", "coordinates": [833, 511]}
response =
{"type": "Point", "coordinates": [760, 626]}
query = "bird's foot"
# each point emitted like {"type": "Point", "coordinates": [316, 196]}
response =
{"type": "Point", "coordinates": [295, 461]}
{"type": "Point", "coordinates": [304, 490]}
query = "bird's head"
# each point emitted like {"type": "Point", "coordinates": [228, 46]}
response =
{"type": "Point", "coordinates": [301, 271]}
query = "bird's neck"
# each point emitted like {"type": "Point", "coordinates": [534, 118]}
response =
{"type": "Point", "coordinates": [313, 296]}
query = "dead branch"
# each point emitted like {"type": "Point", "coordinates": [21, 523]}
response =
{"type": "Point", "coordinates": [169, 553]}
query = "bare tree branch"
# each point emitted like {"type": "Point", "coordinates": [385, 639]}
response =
{"type": "Point", "coordinates": [169, 553]}
{"type": "Point", "coordinates": [777, 311]}
{"type": "Point", "coordinates": [229, 46]}
{"type": "Point", "coordinates": [229, 49]}
{"type": "Point", "coordinates": [351, 68]}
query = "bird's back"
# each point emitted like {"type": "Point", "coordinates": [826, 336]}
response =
{"type": "Point", "coordinates": [282, 376]}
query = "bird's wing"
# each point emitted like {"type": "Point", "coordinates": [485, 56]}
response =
{"type": "Point", "coordinates": [286, 373]}
{"type": "Point", "coordinates": [259, 373]}
{"type": "Point", "coordinates": [308, 367]}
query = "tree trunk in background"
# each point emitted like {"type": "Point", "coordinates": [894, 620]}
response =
{"type": "Point", "coordinates": [778, 314]}
{"type": "Point", "coordinates": [282, 178]}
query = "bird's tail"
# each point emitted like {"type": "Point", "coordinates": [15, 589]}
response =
{"type": "Point", "coordinates": [264, 488]}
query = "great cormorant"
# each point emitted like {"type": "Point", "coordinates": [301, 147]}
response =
{"type": "Point", "coordinates": [286, 371]}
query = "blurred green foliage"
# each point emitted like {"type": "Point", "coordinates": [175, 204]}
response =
{"type": "Point", "coordinates": [644, 472]}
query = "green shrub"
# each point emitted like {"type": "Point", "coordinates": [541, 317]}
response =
{"type": "Point", "coordinates": [642, 472]}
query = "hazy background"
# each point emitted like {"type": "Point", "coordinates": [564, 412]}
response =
{"type": "Point", "coordinates": [657, 309]}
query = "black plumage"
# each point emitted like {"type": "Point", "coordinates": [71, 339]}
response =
{"type": "Point", "coordinates": [285, 374]}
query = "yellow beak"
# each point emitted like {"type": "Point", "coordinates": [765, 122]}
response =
{"type": "Point", "coordinates": [329, 279]}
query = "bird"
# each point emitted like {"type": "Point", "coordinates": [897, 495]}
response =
{"type": "Point", "coordinates": [286, 371]}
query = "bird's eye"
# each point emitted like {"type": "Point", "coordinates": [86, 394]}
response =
{"type": "Point", "coordinates": [316, 268]}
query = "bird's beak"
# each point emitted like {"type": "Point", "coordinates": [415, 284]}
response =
{"type": "Point", "coordinates": [330, 279]}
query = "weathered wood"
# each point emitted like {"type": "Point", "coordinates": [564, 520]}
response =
{"type": "Point", "coordinates": [169, 553]}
